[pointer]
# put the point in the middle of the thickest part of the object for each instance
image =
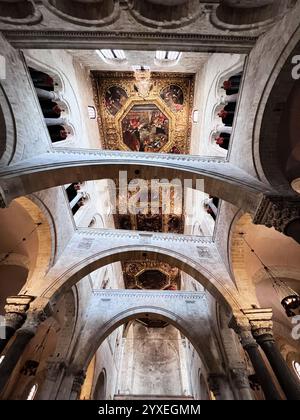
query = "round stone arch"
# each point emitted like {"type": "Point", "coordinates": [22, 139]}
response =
{"type": "Point", "coordinates": [84, 356]}
{"type": "Point", "coordinates": [217, 178]}
{"type": "Point", "coordinates": [60, 283]}
{"type": "Point", "coordinates": [276, 115]}
{"type": "Point", "coordinates": [7, 128]}
{"type": "Point", "coordinates": [46, 236]}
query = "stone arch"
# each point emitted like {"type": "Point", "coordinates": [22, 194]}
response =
{"type": "Point", "coordinates": [27, 247]}
{"type": "Point", "coordinates": [7, 130]}
{"type": "Point", "coordinates": [85, 12]}
{"type": "Point", "coordinates": [19, 12]}
{"type": "Point", "coordinates": [86, 353]}
{"type": "Point", "coordinates": [278, 160]}
{"type": "Point", "coordinates": [58, 284]}
{"type": "Point", "coordinates": [251, 14]}
{"type": "Point", "coordinates": [166, 14]}
{"type": "Point", "coordinates": [46, 237]}
{"type": "Point", "coordinates": [238, 188]}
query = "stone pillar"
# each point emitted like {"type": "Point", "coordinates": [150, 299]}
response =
{"type": "Point", "coordinates": [241, 382]}
{"type": "Point", "coordinates": [54, 373]}
{"type": "Point", "coordinates": [221, 128]}
{"type": "Point", "coordinates": [45, 94]}
{"type": "Point", "coordinates": [77, 384]}
{"type": "Point", "coordinates": [226, 99]}
{"type": "Point", "coordinates": [55, 121]}
{"type": "Point", "coordinates": [262, 330]}
{"type": "Point", "coordinates": [219, 385]}
{"type": "Point", "coordinates": [242, 327]}
{"type": "Point", "coordinates": [281, 213]}
{"type": "Point", "coordinates": [22, 338]}
{"type": "Point", "coordinates": [15, 316]}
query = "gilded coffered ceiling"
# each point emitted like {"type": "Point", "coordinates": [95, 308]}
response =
{"type": "Point", "coordinates": [146, 112]}
{"type": "Point", "coordinates": [151, 115]}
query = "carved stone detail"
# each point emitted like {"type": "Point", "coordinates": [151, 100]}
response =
{"type": "Point", "coordinates": [260, 321]}
{"type": "Point", "coordinates": [16, 309]}
{"type": "Point", "coordinates": [78, 382]}
{"type": "Point", "coordinates": [242, 328]}
{"type": "Point", "coordinates": [277, 212]}
{"type": "Point", "coordinates": [240, 378]}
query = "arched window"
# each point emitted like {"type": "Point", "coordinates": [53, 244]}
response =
{"type": "Point", "coordinates": [296, 366]}
{"type": "Point", "coordinates": [32, 392]}
{"type": "Point", "coordinates": [92, 112]}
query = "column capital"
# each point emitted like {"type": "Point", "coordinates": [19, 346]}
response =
{"type": "Point", "coordinates": [277, 212]}
{"type": "Point", "coordinates": [38, 312]}
{"type": "Point", "coordinates": [260, 321]}
{"type": "Point", "coordinates": [16, 308]}
{"type": "Point", "coordinates": [240, 377]}
{"type": "Point", "coordinates": [241, 325]}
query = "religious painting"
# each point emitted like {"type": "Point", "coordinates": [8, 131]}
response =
{"type": "Point", "coordinates": [172, 95]}
{"type": "Point", "coordinates": [145, 128]}
{"type": "Point", "coordinates": [115, 98]}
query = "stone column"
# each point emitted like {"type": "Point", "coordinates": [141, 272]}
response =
{"type": "Point", "coordinates": [226, 99]}
{"type": "Point", "coordinates": [22, 338]}
{"type": "Point", "coordinates": [242, 327]}
{"type": "Point", "coordinates": [221, 128]}
{"type": "Point", "coordinates": [77, 384]}
{"type": "Point", "coordinates": [241, 382]}
{"type": "Point", "coordinates": [281, 213]}
{"type": "Point", "coordinates": [55, 121]}
{"type": "Point", "coordinates": [262, 330]}
{"type": "Point", "coordinates": [219, 385]}
{"type": "Point", "coordinates": [15, 316]}
{"type": "Point", "coordinates": [45, 94]}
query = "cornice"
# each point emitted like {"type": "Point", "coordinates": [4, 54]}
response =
{"type": "Point", "coordinates": [168, 237]}
{"type": "Point", "coordinates": [78, 39]}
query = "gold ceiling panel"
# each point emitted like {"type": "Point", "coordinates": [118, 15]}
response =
{"type": "Point", "coordinates": [157, 119]}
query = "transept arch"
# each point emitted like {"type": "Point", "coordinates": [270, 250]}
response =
{"type": "Point", "coordinates": [201, 339]}
{"type": "Point", "coordinates": [217, 178]}
{"type": "Point", "coordinates": [61, 279]}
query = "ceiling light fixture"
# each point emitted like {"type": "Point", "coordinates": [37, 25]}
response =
{"type": "Point", "coordinates": [289, 299]}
